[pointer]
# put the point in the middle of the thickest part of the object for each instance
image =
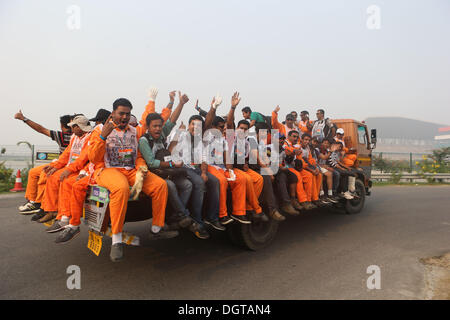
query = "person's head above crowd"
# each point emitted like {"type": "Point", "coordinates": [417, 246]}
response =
{"type": "Point", "coordinates": [340, 134]}
{"type": "Point", "coordinates": [154, 123]}
{"type": "Point", "coordinates": [101, 116]}
{"type": "Point", "coordinates": [320, 114]}
{"type": "Point", "coordinates": [293, 136]}
{"type": "Point", "coordinates": [305, 140]}
{"type": "Point", "coordinates": [80, 125]}
{"type": "Point", "coordinates": [304, 115]}
{"type": "Point", "coordinates": [64, 120]}
{"type": "Point", "coordinates": [246, 112]}
{"type": "Point", "coordinates": [290, 120]}
{"type": "Point", "coordinates": [121, 112]}
{"type": "Point", "coordinates": [195, 125]}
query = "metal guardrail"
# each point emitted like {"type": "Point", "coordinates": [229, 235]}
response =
{"type": "Point", "coordinates": [411, 177]}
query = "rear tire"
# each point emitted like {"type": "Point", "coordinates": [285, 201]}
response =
{"type": "Point", "coordinates": [254, 236]}
{"type": "Point", "coordinates": [356, 205]}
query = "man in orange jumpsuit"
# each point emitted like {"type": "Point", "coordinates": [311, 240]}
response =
{"type": "Point", "coordinates": [66, 166]}
{"type": "Point", "coordinates": [114, 152]}
{"type": "Point", "coordinates": [310, 173]}
{"type": "Point", "coordinates": [36, 178]}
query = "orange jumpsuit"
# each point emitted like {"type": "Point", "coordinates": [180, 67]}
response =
{"type": "Point", "coordinates": [35, 190]}
{"type": "Point", "coordinates": [119, 179]}
{"type": "Point", "coordinates": [313, 182]}
{"type": "Point", "coordinates": [238, 191]}
{"type": "Point", "coordinates": [283, 129]}
{"type": "Point", "coordinates": [67, 160]}
{"type": "Point", "coordinates": [253, 187]}
{"type": "Point", "coordinates": [302, 183]}
{"type": "Point", "coordinates": [303, 128]}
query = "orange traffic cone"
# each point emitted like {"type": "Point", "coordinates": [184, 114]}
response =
{"type": "Point", "coordinates": [18, 185]}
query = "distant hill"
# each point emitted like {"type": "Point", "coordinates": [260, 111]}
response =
{"type": "Point", "coordinates": [403, 128]}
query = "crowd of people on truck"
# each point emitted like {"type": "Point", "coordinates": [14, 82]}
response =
{"type": "Point", "coordinates": [316, 166]}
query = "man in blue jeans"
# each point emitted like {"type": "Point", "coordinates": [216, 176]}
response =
{"type": "Point", "coordinates": [189, 151]}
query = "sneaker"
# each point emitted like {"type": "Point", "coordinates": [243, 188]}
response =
{"type": "Point", "coordinates": [48, 216]}
{"type": "Point", "coordinates": [297, 206]}
{"type": "Point", "coordinates": [225, 220]}
{"type": "Point", "coordinates": [215, 224]}
{"type": "Point", "coordinates": [199, 231]}
{"type": "Point", "coordinates": [309, 206]}
{"type": "Point", "coordinates": [116, 252]}
{"type": "Point", "coordinates": [38, 215]}
{"type": "Point", "coordinates": [29, 208]}
{"type": "Point", "coordinates": [67, 235]}
{"type": "Point", "coordinates": [185, 222]}
{"type": "Point", "coordinates": [348, 195]}
{"type": "Point", "coordinates": [58, 225]}
{"type": "Point", "coordinates": [289, 209]}
{"type": "Point", "coordinates": [276, 215]}
{"type": "Point", "coordinates": [260, 216]}
{"type": "Point", "coordinates": [333, 199]}
{"type": "Point", "coordinates": [324, 200]}
{"type": "Point", "coordinates": [242, 219]}
{"type": "Point", "coordinates": [164, 233]}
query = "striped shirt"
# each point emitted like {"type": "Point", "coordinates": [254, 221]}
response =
{"type": "Point", "coordinates": [61, 138]}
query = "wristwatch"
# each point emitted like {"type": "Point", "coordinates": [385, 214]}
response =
{"type": "Point", "coordinates": [25, 119]}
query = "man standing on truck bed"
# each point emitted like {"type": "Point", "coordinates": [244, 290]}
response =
{"type": "Point", "coordinates": [114, 152]}
{"type": "Point", "coordinates": [36, 181]}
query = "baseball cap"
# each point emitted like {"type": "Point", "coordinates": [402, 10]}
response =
{"type": "Point", "coordinates": [290, 117]}
{"type": "Point", "coordinates": [340, 131]}
{"type": "Point", "coordinates": [102, 115]}
{"type": "Point", "coordinates": [82, 122]}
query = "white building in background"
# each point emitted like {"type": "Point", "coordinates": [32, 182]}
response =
{"type": "Point", "coordinates": [443, 139]}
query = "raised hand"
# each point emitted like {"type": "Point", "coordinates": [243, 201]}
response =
{"type": "Point", "coordinates": [19, 115]}
{"type": "Point", "coordinates": [277, 109]}
{"type": "Point", "coordinates": [152, 93]}
{"type": "Point", "coordinates": [183, 98]}
{"type": "Point", "coordinates": [235, 99]}
{"type": "Point", "coordinates": [108, 127]}
{"type": "Point", "coordinates": [172, 95]}
{"type": "Point", "coordinates": [217, 100]}
{"type": "Point", "coordinates": [182, 125]}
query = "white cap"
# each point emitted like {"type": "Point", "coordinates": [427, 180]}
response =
{"type": "Point", "coordinates": [82, 122]}
{"type": "Point", "coordinates": [340, 131]}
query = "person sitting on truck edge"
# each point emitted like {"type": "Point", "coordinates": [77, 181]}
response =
{"type": "Point", "coordinates": [216, 149]}
{"type": "Point", "coordinates": [205, 186]}
{"type": "Point", "coordinates": [36, 181]}
{"type": "Point", "coordinates": [305, 125]}
{"type": "Point", "coordinates": [179, 187]}
{"type": "Point", "coordinates": [315, 151]}
{"type": "Point", "coordinates": [254, 181]}
{"type": "Point", "coordinates": [292, 148]}
{"type": "Point", "coordinates": [323, 128]}
{"type": "Point", "coordinates": [310, 172]}
{"type": "Point", "coordinates": [334, 161]}
{"type": "Point", "coordinates": [65, 166]}
{"type": "Point", "coordinates": [333, 182]}
{"type": "Point", "coordinates": [114, 152]}
{"type": "Point", "coordinates": [286, 180]}
{"type": "Point", "coordinates": [283, 128]}
{"type": "Point", "coordinates": [268, 194]}
{"type": "Point", "coordinates": [254, 117]}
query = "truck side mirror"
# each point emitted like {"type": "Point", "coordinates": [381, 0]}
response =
{"type": "Point", "coordinates": [373, 137]}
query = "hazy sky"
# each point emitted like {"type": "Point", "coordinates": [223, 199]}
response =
{"type": "Point", "coordinates": [298, 54]}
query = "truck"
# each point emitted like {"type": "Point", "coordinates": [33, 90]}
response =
{"type": "Point", "coordinates": [258, 234]}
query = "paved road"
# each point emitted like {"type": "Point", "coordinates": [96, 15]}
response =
{"type": "Point", "coordinates": [322, 255]}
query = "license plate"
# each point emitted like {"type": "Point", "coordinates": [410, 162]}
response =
{"type": "Point", "coordinates": [95, 242]}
